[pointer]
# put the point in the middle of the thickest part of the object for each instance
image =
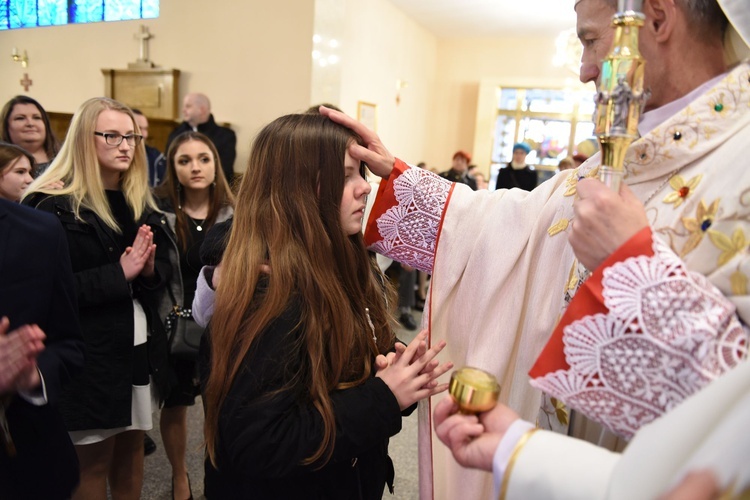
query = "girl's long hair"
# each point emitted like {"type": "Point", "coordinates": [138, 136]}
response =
{"type": "Point", "coordinates": [220, 195]}
{"type": "Point", "coordinates": [288, 218]}
{"type": "Point", "coordinates": [77, 166]}
{"type": "Point", "coordinates": [51, 145]}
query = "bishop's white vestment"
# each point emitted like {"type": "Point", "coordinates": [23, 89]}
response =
{"type": "Point", "coordinates": [503, 273]}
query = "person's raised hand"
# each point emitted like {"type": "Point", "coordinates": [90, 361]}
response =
{"type": "Point", "coordinates": [136, 257]}
{"type": "Point", "coordinates": [54, 185]}
{"type": "Point", "coordinates": [149, 267]}
{"type": "Point", "coordinates": [378, 159]}
{"type": "Point", "coordinates": [604, 221]}
{"type": "Point", "coordinates": [472, 439]}
{"type": "Point", "coordinates": [29, 378]}
{"type": "Point", "coordinates": [18, 352]}
{"type": "Point", "coordinates": [403, 374]}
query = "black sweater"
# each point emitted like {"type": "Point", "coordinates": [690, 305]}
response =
{"type": "Point", "coordinates": [263, 438]}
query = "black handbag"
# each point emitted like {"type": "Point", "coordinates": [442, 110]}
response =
{"type": "Point", "coordinates": [183, 332]}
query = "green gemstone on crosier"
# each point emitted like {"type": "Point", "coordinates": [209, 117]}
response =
{"type": "Point", "coordinates": [718, 107]}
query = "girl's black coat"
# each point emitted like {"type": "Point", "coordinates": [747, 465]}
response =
{"type": "Point", "coordinates": [100, 398]}
{"type": "Point", "coordinates": [263, 439]}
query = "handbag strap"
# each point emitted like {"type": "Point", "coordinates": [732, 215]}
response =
{"type": "Point", "coordinates": [177, 311]}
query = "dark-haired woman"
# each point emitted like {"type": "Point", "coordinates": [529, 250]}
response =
{"type": "Point", "coordinates": [194, 196]}
{"type": "Point", "coordinates": [25, 123]}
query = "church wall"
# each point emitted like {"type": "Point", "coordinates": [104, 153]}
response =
{"type": "Point", "coordinates": [387, 47]}
{"type": "Point", "coordinates": [252, 58]}
{"type": "Point", "coordinates": [463, 65]}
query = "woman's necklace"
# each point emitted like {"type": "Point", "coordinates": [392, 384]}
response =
{"type": "Point", "coordinates": [198, 223]}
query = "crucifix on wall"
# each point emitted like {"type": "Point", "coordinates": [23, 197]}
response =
{"type": "Point", "coordinates": [26, 82]}
{"type": "Point", "coordinates": [143, 36]}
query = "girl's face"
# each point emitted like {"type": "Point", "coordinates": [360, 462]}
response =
{"type": "Point", "coordinates": [25, 125]}
{"type": "Point", "coordinates": [114, 159]}
{"type": "Point", "coordinates": [15, 179]}
{"type": "Point", "coordinates": [354, 198]}
{"type": "Point", "coordinates": [194, 165]}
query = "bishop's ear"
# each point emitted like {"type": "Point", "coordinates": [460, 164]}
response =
{"type": "Point", "coordinates": [661, 16]}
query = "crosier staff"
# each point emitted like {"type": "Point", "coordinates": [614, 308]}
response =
{"type": "Point", "coordinates": [620, 97]}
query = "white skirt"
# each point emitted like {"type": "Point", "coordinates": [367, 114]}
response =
{"type": "Point", "coordinates": [143, 401]}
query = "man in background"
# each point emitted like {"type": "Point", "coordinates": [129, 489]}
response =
{"type": "Point", "coordinates": [157, 163]}
{"type": "Point", "coordinates": [196, 111]}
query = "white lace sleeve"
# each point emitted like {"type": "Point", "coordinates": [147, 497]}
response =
{"type": "Point", "coordinates": [409, 230]}
{"type": "Point", "coordinates": [667, 334]}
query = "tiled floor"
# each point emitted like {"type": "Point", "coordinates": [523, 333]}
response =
{"type": "Point", "coordinates": [157, 477]}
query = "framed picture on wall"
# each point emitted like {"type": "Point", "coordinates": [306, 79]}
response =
{"type": "Point", "coordinates": [367, 114]}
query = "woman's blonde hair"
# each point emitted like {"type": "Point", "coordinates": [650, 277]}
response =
{"type": "Point", "coordinates": [77, 166]}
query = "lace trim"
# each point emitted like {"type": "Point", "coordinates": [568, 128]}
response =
{"type": "Point", "coordinates": [410, 229]}
{"type": "Point", "coordinates": [669, 332]}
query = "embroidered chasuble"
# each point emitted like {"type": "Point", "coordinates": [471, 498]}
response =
{"type": "Point", "coordinates": [503, 274]}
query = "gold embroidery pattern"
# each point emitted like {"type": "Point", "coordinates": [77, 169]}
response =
{"type": "Point", "coordinates": [558, 227]}
{"type": "Point", "coordinates": [561, 411]}
{"type": "Point", "coordinates": [729, 246]}
{"type": "Point", "coordinates": [572, 182]}
{"type": "Point", "coordinates": [696, 122]}
{"type": "Point", "coordinates": [682, 189]}
{"type": "Point", "coordinates": [739, 283]}
{"type": "Point", "coordinates": [573, 277]}
{"type": "Point", "coordinates": [698, 225]}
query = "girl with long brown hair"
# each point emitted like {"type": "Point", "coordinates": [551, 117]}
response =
{"type": "Point", "coordinates": [302, 393]}
{"type": "Point", "coordinates": [194, 196]}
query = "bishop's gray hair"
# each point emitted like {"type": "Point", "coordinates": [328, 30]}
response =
{"type": "Point", "coordinates": [704, 16]}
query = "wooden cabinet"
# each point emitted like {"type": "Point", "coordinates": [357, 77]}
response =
{"type": "Point", "coordinates": [154, 91]}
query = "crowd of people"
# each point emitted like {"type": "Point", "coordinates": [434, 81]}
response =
{"type": "Point", "coordinates": [607, 317]}
{"type": "Point", "coordinates": [132, 258]}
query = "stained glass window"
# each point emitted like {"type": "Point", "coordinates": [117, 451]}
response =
{"type": "Point", "coordinates": [30, 13]}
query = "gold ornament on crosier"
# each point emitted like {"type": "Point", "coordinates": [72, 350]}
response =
{"type": "Point", "coordinates": [620, 97]}
{"type": "Point", "coordinates": [475, 390]}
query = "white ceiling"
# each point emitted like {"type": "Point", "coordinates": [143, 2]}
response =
{"type": "Point", "coordinates": [489, 18]}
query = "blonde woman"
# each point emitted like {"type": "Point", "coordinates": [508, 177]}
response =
{"type": "Point", "coordinates": [105, 208]}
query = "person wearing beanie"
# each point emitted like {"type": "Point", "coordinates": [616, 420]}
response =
{"type": "Point", "coordinates": [459, 171]}
{"type": "Point", "coordinates": [517, 174]}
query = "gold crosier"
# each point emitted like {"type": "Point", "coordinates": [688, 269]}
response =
{"type": "Point", "coordinates": [620, 97]}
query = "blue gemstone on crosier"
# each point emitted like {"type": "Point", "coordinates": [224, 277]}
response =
{"type": "Point", "coordinates": [706, 224]}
